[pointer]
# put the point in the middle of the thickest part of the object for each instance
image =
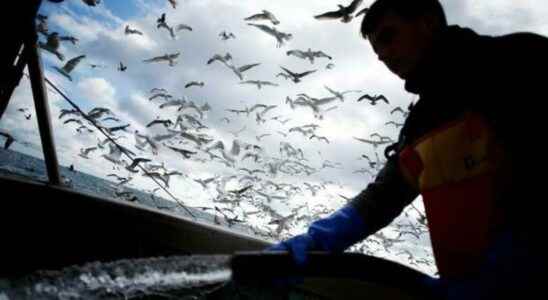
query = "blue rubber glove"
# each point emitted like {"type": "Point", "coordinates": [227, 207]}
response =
{"type": "Point", "coordinates": [335, 233]}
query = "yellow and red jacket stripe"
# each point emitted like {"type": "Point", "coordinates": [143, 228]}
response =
{"type": "Point", "coordinates": [454, 167]}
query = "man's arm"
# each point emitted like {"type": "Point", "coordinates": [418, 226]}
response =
{"type": "Point", "coordinates": [384, 199]}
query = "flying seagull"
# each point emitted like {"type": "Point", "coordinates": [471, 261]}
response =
{"type": "Point", "coordinates": [344, 12]}
{"type": "Point", "coordinates": [239, 70]}
{"type": "Point", "coordinates": [296, 77]}
{"type": "Point", "coordinates": [136, 162]}
{"type": "Point", "coordinates": [84, 152]}
{"type": "Point", "coordinates": [265, 15]}
{"type": "Point", "coordinates": [373, 99]}
{"type": "Point", "coordinates": [185, 153]}
{"type": "Point", "coordinates": [132, 31]}
{"type": "Point", "coordinates": [226, 35]}
{"type": "Point", "coordinates": [259, 83]}
{"type": "Point", "coordinates": [121, 67]}
{"type": "Point", "coordinates": [170, 58]}
{"type": "Point", "coordinates": [280, 37]}
{"type": "Point", "coordinates": [224, 59]}
{"type": "Point", "coordinates": [194, 83]}
{"type": "Point", "coordinates": [69, 66]}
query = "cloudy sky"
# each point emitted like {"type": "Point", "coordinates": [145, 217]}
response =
{"type": "Point", "coordinates": [100, 31]}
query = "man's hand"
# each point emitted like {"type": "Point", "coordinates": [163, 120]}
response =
{"type": "Point", "coordinates": [298, 246]}
{"type": "Point", "coordinates": [332, 234]}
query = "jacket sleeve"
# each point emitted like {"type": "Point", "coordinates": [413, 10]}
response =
{"type": "Point", "coordinates": [384, 199]}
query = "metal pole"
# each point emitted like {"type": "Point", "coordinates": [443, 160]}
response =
{"type": "Point", "coordinates": [42, 108]}
{"type": "Point", "coordinates": [24, 13]}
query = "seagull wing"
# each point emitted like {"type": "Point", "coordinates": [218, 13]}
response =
{"type": "Point", "coordinates": [353, 6]}
{"type": "Point", "coordinates": [329, 15]}
{"type": "Point", "coordinates": [306, 73]}
{"type": "Point", "coordinates": [183, 26]}
{"type": "Point", "coordinates": [366, 96]}
{"type": "Point", "coordinates": [362, 12]}
{"type": "Point", "coordinates": [71, 64]}
{"type": "Point", "coordinates": [247, 67]}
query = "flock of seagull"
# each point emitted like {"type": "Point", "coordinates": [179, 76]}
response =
{"type": "Point", "coordinates": [186, 135]}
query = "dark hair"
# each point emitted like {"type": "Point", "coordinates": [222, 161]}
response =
{"type": "Point", "coordinates": [407, 9]}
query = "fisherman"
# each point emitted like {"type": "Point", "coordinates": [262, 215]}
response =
{"type": "Point", "coordinates": [469, 146]}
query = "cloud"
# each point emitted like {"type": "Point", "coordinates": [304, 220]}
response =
{"type": "Point", "coordinates": [102, 39]}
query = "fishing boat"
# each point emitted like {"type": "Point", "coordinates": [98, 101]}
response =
{"type": "Point", "coordinates": [46, 225]}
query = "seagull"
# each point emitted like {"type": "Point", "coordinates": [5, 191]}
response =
{"type": "Point", "coordinates": [160, 95]}
{"type": "Point", "coordinates": [121, 180]}
{"type": "Point", "coordinates": [77, 121]}
{"type": "Point", "coordinates": [398, 125]}
{"type": "Point", "coordinates": [259, 83]}
{"type": "Point", "coordinates": [158, 90]}
{"type": "Point", "coordinates": [121, 67]}
{"type": "Point", "coordinates": [279, 36]}
{"type": "Point", "coordinates": [239, 70]}
{"type": "Point", "coordinates": [161, 23]}
{"type": "Point", "coordinates": [112, 130]}
{"type": "Point", "coordinates": [282, 133]}
{"type": "Point", "coordinates": [284, 75]}
{"type": "Point", "coordinates": [111, 119]}
{"type": "Point", "coordinates": [399, 109]}
{"type": "Point", "coordinates": [166, 123]}
{"type": "Point", "coordinates": [115, 153]}
{"type": "Point", "coordinates": [373, 99]}
{"type": "Point", "coordinates": [309, 54]}
{"type": "Point", "coordinates": [255, 156]}
{"type": "Point", "coordinates": [320, 138]}
{"type": "Point", "coordinates": [226, 35]}
{"type": "Point", "coordinates": [136, 162]}
{"type": "Point", "coordinates": [396, 110]}
{"type": "Point", "coordinates": [71, 39]}
{"type": "Point", "coordinates": [9, 139]}
{"type": "Point", "coordinates": [25, 112]}
{"type": "Point", "coordinates": [167, 57]}
{"type": "Point", "coordinates": [296, 77]}
{"type": "Point", "coordinates": [65, 112]}
{"type": "Point", "coordinates": [52, 45]}
{"type": "Point", "coordinates": [251, 172]}
{"type": "Point", "coordinates": [94, 66]}
{"type": "Point", "coordinates": [340, 95]}
{"type": "Point", "coordinates": [183, 27]}
{"type": "Point", "coordinates": [224, 59]}
{"type": "Point", "coordinates": [99, 112]}
{"type": "Point", "coordinates": [265, 15]}
{"type": "Point", "coordinates": [374, 143]}
{"type": "Point", "coordinates": [344, 12]}
{"type": "Point", "coordinates": [205, 182]}
{"type": "Point", "coordinates": [173, 3]}
{"type": "Point", "coordinates": [132, 31]}
{"type": "Point", "coordinates": [185, 153]}
{"type": "Point", "coordinates": [194, 83]}
{"type": "Point", "coordinates": [85, 151]}
{"type": "Point", "coordinates": [259, 137]}
{"type": "Point", "coordinates": [82, 127]}
{"type": "Point", "coordinates": [69, 66]}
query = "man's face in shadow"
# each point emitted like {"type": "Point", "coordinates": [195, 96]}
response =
{"type": "Point", "coordinates": [401, 44]}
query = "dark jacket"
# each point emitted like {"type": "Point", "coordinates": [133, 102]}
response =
{"type": "Point", "coordinates": [502, 78]}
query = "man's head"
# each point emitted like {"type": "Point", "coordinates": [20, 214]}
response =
{"type": "Point", "coordinates": [402, 31]}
